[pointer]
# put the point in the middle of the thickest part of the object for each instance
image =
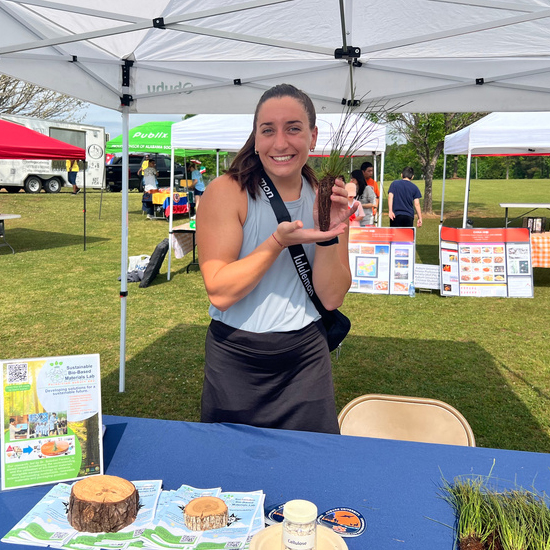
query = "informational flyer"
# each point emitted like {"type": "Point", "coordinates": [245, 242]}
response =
{"type": "Point", "coordinates": [486, 262]}
{"type": "Point", "coordinates": [382, 259]}
{"type": "Point", "coordinates": [159, 524]}
{"type": "Point", "coordinates": [51, 418]}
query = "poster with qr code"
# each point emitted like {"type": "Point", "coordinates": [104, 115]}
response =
{"type": "Point", "coordinates": [51, 418]}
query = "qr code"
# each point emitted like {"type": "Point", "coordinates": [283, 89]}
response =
{"type": "Point", "coordinates": [58, 535]}
{"type": "Point", "coordinates": [18, 373]}
{"type": "Point", "coordinates": [188, 539]}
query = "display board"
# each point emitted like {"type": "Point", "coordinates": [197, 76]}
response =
{"type": "Point", "coordinates": [486, 262]}
{"type": "Point", "coordinates": [51, 420]}
{"type": "Point", "coordinates": [382, 259]}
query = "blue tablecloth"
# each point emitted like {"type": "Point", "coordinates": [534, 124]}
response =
{"type": "Point", "coordinates": [394, 484]}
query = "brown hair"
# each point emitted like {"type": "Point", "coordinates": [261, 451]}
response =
{"type": "Point", "coordinates": [246, 166]}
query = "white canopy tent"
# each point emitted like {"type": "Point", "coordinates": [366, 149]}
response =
{"type": "Point", "coordinates": [447, 55]}
{"type": "Point", "coordinates": [229, 132]}
{"type": "Point", "coordinates": [503, 134]}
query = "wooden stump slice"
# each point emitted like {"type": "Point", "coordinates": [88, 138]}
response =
{"type": "Point", "coordinates": [204, 513]}
{"type": "Point", "coordinates": [102, 504]}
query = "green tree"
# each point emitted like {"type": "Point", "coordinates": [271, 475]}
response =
{"type": "Point", "coordinates": [21, 98]}
{"type": "Point", "coordinates": [426, 132]}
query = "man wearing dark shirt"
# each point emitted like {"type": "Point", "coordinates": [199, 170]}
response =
{"type": "Point", "coordinates": [403, 199]}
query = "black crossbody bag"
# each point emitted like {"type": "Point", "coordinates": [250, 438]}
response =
{"type": "Point", "coordinates": [336, 324]}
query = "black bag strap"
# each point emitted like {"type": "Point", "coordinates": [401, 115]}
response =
{"type": "Point", "coordinates": [299, 258]}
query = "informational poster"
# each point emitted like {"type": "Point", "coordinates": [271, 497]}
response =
{"type": "Point", "coordinates": [382, 259]}
{"type": "Point", "coordinates": [486, 262]}
{"type": "Point", "coordinates": [427, 276]}
{"type": "Point", "coordinates": [51, 418]}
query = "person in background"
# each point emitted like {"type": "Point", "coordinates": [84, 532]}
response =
{"type": "Point", "coordinates": [355, 219]}
{"type": "Point", "coordinates": [368, 172]}
{"type": "Point", "coordinates": [267, 360]}
{"type": "Point", "coordinates": [72, 172]}
{"type": "Point", "coordinates": [403, 199]}
{"type": "Point", "coordinates": [150, 184]}
{"type": "Point", "coordinates": [366, 196]}
{"type": "Point", "coordinates": [198, 183]}
{"type": "Point", "coordinates": [144, 164]}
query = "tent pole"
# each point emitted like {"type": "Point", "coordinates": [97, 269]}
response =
{"type": "Point", "coordinates": [381, 187]}
{"type": "Point", "coordinates": [171, 216]}
{"type": "Point", "coordinates": [443, 188]}
{"type": "Point", "coordinates": [124, 248]}
{"type": "Point", "coordinates": [101, 198]}
{"type": "Point", "coordinates": [467, 192]}
{"type": "Point", "coordinates": [84, 209]}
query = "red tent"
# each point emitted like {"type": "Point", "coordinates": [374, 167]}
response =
{"type": "Point", "coordinates": [19, 142]}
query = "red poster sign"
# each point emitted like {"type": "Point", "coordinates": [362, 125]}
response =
{"type": "Point", "coordinates": [486, 262]}
{"type": "Point", "coordinates": [382, 260]}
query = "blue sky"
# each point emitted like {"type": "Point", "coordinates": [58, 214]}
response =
{"type": "Point", "coordinates": [112, 121]}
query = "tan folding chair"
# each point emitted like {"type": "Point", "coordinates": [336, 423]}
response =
{"type": "Point", "coordinates": [405, 418]}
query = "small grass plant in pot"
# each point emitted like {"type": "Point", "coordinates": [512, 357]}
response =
{"type": "Point", "coordinates": [488, 519]}
{"type": "Point", "coordinates": [474, 520]}
{"type": "Point", "coordinates": [352, 135]}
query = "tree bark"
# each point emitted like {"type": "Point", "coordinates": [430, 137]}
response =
{"type": "Point", "coordinates": [427, 207]}
{"type": "Point", "coordinates": [102, 504]}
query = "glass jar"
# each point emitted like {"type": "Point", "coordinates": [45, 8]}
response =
{"type": "Point", "coordinates": [299, 527]}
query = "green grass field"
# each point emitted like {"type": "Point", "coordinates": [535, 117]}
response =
{"type": "Point", "coordinates": [490, 357]}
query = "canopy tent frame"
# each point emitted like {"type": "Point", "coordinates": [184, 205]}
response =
{"type": "Point", "coordinates": [440, 70]}
{"type": "Point", "coordinates": [497, 134]}
{"type": "Point", "coordinates": [57, 150]}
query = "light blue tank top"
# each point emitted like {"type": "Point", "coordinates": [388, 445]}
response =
{"type": "Point", "coordinates": [279, 302]}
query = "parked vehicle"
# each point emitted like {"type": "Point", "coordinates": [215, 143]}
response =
{"type": "Point", "coordinates": [51, 175]}
{"type": "Point", "coordinates": [114, 172]}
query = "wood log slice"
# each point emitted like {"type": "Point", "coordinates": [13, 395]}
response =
{"type": "Point", "coordinates": [102, 504]}
{"type": "Point", "coordinates": [204, 513]}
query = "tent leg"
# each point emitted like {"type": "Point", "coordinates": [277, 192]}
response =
{"type": "Point", "coordinates": [467, 192]}
{"type": "Point", "coordinates": [84, 209]}
{"type": "Point", "coordinates": [443, 189]}
{"type": "Point", "coordinates": [100, 202]}
{"type": "Point", "coordinates": [124, 249]}
{"type": "Point", "coordinates": [171, 216]}
{"type": "Point", "coordinates": [381, 201]}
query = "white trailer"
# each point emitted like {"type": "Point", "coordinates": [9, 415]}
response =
{"type": "Point", "coordinates": [51, 175]}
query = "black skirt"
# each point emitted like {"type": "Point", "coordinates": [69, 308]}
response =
{"type": "Point", "coordinates": [271, 380]}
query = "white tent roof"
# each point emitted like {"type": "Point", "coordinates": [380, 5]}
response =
{"type": "Point", "coordinates": [229, 133]}
{"type": "Point", "coordinates": [503, 134]}
{"type": "Point", "coordinates": [218, 56]}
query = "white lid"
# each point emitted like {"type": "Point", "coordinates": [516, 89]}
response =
{"type": "Point", "coordinates": [300, 511]}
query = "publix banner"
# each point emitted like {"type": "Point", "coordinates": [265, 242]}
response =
{"type": "Point", "coordinates": [51, 418]}
{"type": "Point", "coordinates": [486, 262]}
{"type": "Point", "coordinates": [151, 137]}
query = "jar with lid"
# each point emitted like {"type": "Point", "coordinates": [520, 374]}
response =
{"type": "Point", "coordinates": [299, 527]}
